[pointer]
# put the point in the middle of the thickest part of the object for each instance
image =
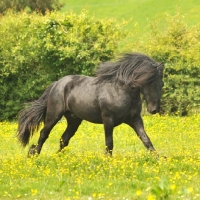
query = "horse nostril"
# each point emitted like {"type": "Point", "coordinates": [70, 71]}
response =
{"type": "Point", "coordinates": [153, 112]}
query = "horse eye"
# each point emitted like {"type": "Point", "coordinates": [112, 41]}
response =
{"type": "Point", "coordinates": [152, 86]}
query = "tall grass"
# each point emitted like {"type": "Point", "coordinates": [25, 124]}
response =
{"type": "Point", "coordinates": [84, 172]}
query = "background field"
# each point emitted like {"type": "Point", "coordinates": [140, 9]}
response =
{"type": "Point", "coordinates": [84, 172]}
{"type": "Point", "coordinates": [140, 12]}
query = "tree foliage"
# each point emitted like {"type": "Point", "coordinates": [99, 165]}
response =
{"type": "Point", "coordinates": [33, 5]}
{"type": "Point", "coordinates": [36, 50]}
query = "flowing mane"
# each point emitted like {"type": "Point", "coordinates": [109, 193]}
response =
{"type": "Point", "coordinates": [130, 69]}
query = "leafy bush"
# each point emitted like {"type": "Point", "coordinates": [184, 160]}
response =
{"type": "Point", "coordinates": [37, 50]}
{"type": "Point", "coordinates": [39, 5]}
{"type": "Point", "coordinates": [177, 45]}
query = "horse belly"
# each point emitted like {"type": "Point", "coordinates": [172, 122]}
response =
{"type": "Point", "coordinates": [84, 105]}
{"type": "Point", "coordinates": [87, 112]}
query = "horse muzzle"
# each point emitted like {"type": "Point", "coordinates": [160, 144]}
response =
{"type": "Point", "coordinates": [153, 112]}
{"type": "Point", "coordinates": [153, 109]}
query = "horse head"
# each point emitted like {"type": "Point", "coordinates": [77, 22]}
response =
{"type": "Point", "coordinates": [152, 91]}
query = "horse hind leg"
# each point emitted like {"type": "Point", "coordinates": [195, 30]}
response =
{"type": "Point", "coordinates": [50, 121]}
{"type": "Point", "coordinates": [72, 126]}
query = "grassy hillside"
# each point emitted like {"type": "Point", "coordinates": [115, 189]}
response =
{"type": "Point", "coordinates": [140, 11]}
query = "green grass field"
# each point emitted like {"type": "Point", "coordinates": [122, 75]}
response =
{"type": "Point", "coordinates": [140, 12]}
{"type": "Point", "coordinates": [84, 172]}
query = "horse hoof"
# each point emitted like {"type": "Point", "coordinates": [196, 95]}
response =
{"type": "Point", "coordinates": [32, 151]}
{"type": "Point", "coordinates": [61, 151]}
{"type": "Point", "coordinates": [108, 153]}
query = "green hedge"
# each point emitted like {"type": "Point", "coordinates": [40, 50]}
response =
{"type": "Point", "coordinates": [30, 5]}
{"type": "Point", "coordinates": [37, 50]}
{"type": "Point", "coordinates": [178, 46]}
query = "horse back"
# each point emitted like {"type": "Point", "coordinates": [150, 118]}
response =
{"type": "Point", "coordinates": [81, 97]}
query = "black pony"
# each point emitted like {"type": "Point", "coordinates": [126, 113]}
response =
{"type": "Point", "coordinates": [110, 98]}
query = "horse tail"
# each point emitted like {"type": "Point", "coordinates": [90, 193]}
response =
{"type": "Point", "coordinates": [30, 118]}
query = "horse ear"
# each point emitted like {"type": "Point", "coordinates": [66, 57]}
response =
{"type": "Point", "coordinates": [160, 69]}
{"type": "Point", "coordinates": [161, 66]}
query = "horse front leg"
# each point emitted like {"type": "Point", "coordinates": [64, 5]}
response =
{"type": "Point", "coordinates": [108, 129]}
{"type": "Point", "coordinates": [138, 126]}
